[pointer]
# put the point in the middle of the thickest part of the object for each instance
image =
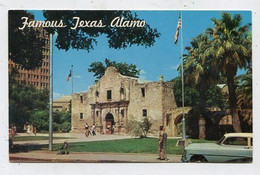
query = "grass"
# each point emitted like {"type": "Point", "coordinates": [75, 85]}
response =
{"type": "Point", "coordinates": [143, 145]}
{"type": "Point", "coordinates": [32, 138]}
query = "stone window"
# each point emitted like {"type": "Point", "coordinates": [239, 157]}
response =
{"type": "Point", "coordinates": [122, 113]}
{"type": "Point", "coordinates": [81, 99]}
{"type": "Point", "coordinates": [144, 112]}
{"type": "Point", "coordinates": [97, 94]}
{"type": "Point", "coordinates": [109, 95]}
{"type": "Point", "coordinates": [96, 113]}
{"type": "Point", "coordinates": [143, 92]}
{"type": "Point", "coordinates": [81, 115]}
{"type": "Point", "coordinates": [122, 93]}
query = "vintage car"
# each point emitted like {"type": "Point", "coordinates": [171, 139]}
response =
{"type": "Point", "coordinates": [232, 147]}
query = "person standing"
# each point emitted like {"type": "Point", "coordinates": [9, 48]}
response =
{"type": "Point", "coordinates": [87, 129]}
{"type": "Point", "coordinates": [34, 130]}
{"type": "Point", "coordinates": [28, 129]}
{"type": "Point", "coordinates": [94, 130]}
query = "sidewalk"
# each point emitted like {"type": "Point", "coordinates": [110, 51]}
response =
{"type": "Point", "coordinates": [52, 157]}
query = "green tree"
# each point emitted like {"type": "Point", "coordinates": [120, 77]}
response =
{"type": "Point", "coordinates": [61, 121]}
{"type": "Point", "coordinates": [215, 97]}
{"type": "Point", "coordinates": [244, 90]}
{"type": "Point", "coordinates": [24, 101]}
{"type": "Point", "coordinates": [98, 68]}
{"type": "Point", "coordinates": [198, 68]}
{"type": "Point", "coordinates": [231, 49]}
{"type": "Point", "coordinates": [25, 46]}
{"type": "Point", "coordinates": [86, 38]}
{"type": "Point", "coordinates": [191, 95]}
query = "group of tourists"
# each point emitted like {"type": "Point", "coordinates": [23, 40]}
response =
{"type": "Point", "coordinates": [12, 130]}
{"type": "Point", "coordinates": [90, 130]}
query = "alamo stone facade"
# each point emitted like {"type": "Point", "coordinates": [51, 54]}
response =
{"type": "Point", "coordinates": [116, 98]}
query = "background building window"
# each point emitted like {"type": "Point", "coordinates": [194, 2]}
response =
{"type": "Point", "coordinates": [81, 116]}
{"type": "Point", "coordinates": [109, 95]}
{"type": "Point", "coordinates": [144, 112]}
{"type": "Point", "coordinates": [143, 92]}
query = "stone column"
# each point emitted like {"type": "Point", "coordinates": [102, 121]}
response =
{"type": "Point", "coordinates": [93, 115]}
{"type": "Point", "coordinates": [100, 117]}
{"type": "Point", "coordinates": [126, 115]}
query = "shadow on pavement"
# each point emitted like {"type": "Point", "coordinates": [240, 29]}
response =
{"type": "Point", "coordinates": [26, 148]}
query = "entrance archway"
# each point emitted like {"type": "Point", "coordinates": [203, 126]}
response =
{"type": "Point", "coordinates": [109, 123]}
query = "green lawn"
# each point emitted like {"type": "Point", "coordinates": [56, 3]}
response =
{"type": "Point", "coordinates": [143, 145]}
{"type": "Point", "coordinates": [31, 138]}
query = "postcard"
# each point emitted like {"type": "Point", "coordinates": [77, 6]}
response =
{"type": "Point", "coordinates": [90, 82]}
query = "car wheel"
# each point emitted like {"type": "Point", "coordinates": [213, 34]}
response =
{"type": "Point", "coordinates": [198, 159]}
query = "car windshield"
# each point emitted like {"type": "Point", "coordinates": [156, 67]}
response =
{"type": "Point", "coordinates": [218, 142]}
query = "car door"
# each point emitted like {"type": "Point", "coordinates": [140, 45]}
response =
{"type": "Point", "coordinates": [234, 148]}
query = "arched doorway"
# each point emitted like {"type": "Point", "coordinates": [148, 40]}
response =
{"type": "Point", "coordinates": [178, 125]}
{"type": "Point", "coordinates": [109, 123]}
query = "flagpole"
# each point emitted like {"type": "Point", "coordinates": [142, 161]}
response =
{"type": "Point", "coordinates": [71, 79]}
{"type": "Point", "coordinates": [182, 78]}
{"type": "Point", "coordinates": [51, 95]}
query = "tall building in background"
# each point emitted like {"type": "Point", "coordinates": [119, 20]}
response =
{"type": "Point", "coordinates": [39, 77]}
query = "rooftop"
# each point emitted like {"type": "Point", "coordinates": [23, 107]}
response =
{"type": "Point", "coordinates": [65, 98]}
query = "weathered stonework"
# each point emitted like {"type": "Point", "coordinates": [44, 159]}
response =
{"type": "Point", "coordinates": [62, 104]}
{"type": "Point", "coordinates": [116, 98]}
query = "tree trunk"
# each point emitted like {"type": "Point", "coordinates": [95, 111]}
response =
{"type": "Point", "coordinates": [202, 108]}
{"type": "Point", "coordinates": [233, 99]}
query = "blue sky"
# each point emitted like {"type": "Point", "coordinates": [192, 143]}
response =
{"type": "Point", "coordinates": [161, 59]}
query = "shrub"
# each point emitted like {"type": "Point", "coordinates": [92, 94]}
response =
{"type": "Point", "coordinates": [139, 127]}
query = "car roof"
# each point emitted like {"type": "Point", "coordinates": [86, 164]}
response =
{"type": "Point", "coordinates": [239, 135]}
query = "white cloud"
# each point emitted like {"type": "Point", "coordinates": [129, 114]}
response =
{"type": "Point", "coordinates": [172, 67]}
{"type": "Point", "coordinates": [56, 95]}
{"type": "Point", "coordinates": [142, 74]}
{"type": "Point", "coordinates": [77, 76]}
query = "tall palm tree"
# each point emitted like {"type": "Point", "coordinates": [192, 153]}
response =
{"type": "Point", "coordinates": [199, 70]}
{"type": "Point", "coordinates": [244, 90]}
{"type": "Point", "coordinates": [231, 48]}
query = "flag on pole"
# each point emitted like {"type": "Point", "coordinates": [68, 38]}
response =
{"type": "Point", "coordinates": [68, 78]}
{"type": "Point", "coordinates": [177, 31]}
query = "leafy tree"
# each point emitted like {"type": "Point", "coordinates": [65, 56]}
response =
{"type": "Point", "coordinates": [123, 68]}
{"type": "Point", "coordinates": [25, 46]}
{"type": "Point", "coordinates": [231, 49]}
{"type": "Point", "coordinates": [61, 121]}
{"type": "Point", "coordinates": [85, 38]}
{"type": "Point", "coordinates": [191, 95]}
{"type": "Point", "coordinates": [24, 101]}
{"type": "Point", "coordinates": [215, 97]}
